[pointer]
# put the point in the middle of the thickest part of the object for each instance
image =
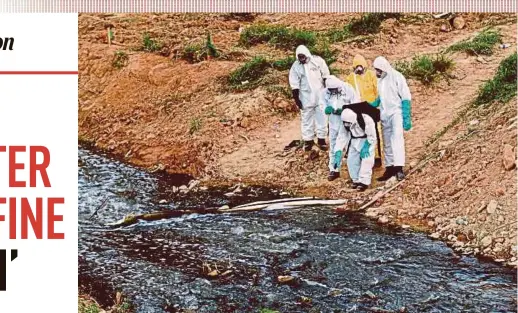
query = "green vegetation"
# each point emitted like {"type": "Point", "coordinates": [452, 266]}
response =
{"type": "Point", "coordinates": [368, 24]}
{"type": "Point", "coordinates": [90, 308]}
{"type": "Point", "coordinates": [149, 44]}
{"type": "Point", "coordinates": [267, 311]}
{"type": "Point", "coordinates": [277, 35]}
{"type": "Point", "coordinates": [120, 59]}
{"type": "Point", "coordinates": [502, 87]}
{"type": "Point", "coordinates": [483, 43]}
{"type": "Point", "coordinates": [283, 64]}
{"type": "Point", "coordinates": [197, 52]}
{"type": "Point", "coordinates": [195, 125]}
{"type": "Point", "coordinates": [427, 69]}
{"type": "Point", "coordinates": [252, 71]}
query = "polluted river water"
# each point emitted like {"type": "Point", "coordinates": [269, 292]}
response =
{"type": "Point", "coordinates": [232, 262]}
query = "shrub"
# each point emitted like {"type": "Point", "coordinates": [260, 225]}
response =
{"type": "Point", "coordinates": [194, 125]}
{"type": "Point", "coordinates": [252, 71]}
{"type": "Point", "coordinates": [426, 69]}
{"type": "Point", "coordinates": [502, 87]}
{"type": "Point", "coordinates": [120, 59]}
{"type": "Point", "coordinates": [283, 64]}
{"type": "Point", "coordinates": [277, 35]}
{"type": "Point", "coordinates": [149, 44]}
{"type": "Point", "coordinates": [369, 23]}
{"type": "Point", "coordinates": [483, 43]}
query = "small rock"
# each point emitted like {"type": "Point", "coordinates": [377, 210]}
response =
{"type": "Point", "coordinates": [245, 123]}
{"type": "Point", "coordinates": [229, 194]}
{"type": "Point", "coordinates": [183, 187]}
{"type": "Point", "coordinates": [383, 220]}
{"type": "Point", "coordinates": [513, 259]}
{"type": "Point", "coordinates": [452, 238]}
{"type": "Point", "coordinates": [509, 158]}
{"type": "Point", "coordinates": [163, 201]}
{"type": "Point", "coordinates": [486, 241]}
{"type": "Point", "coordinates": [405, 226]}
{"type": "Point", "coordinates": [193, 184]}
{"type": "Point", "coordinates": [445, 28]}
{"type": "Point", "coordinates": [491, 207]}
{"type": "Point", "coordinates": [436, 190]}
{"type": "Point", "coordinates": [214, 273]}
{"type": "Point", "coordinates": [435, 236]}
{"type": "Point", "coordinates": [285, 279]}
{"type": "Point", "coordinates": [474, 122]}
{"type": "Point", "coordinates": [459, 23]}
{"type": "Point", "coordinates": [431, 224]}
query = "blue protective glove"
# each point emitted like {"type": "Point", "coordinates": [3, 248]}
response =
{"type": "Point", "coordinates": [364, 153]}
{"type": "Point", "coordinates": [338, 111]}
{"type": "Point", "coordinates": [338, 159]}
{"type": "Point", "coordinates": [376, 103]}
{"type": "Point", "coordinates": [328, 110]}
{"type": "Point", "coordinates": [407, 120]}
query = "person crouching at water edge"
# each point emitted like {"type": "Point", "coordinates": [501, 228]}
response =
{"type": "Point", "coordinates": [394, 101]}
{"type": "Point", "coordinates": [307, 76]}
{"type": "Point", "coordinates": [336, 94]}
{"type": "Point", "coordinates": [360, 136]}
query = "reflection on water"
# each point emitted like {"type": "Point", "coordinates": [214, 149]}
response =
{"type": "Point", "coordinates": [338, 263]}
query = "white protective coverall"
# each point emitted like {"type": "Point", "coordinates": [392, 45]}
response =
{"type": "Point", "coordinates": [360, 170]}
{"type": "Point", "coordinates": [347, 96]}
{"type": "Point", "coordinates": [392, 90]}
{"type": "Point", "coordinates": [309, 79]}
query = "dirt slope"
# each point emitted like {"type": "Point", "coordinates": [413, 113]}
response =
{"type": "Point", "coordinates": [160, 112]}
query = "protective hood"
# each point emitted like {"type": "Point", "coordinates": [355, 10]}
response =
{"type": "Point", "coordinates": [302, 50]}
{"type": "Point", "coordinates": [359, 60]}
{"type": "Point", "coordinates": [382, 64]}
{"type": "Point", "coordinates": [333, 82]}
{"type": "Point", "coordinates": [349, 116]}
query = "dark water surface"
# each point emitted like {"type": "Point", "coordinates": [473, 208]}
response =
{"type": "Point", "coordinates": [339, 263]}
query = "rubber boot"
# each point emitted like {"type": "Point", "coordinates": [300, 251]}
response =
{"type": "Point", "coordinates": [361, 187]}
{"type": "Point", "coordinates": [308, 145]}
{"type": "Point", "coordinates": [398, 170]}
{"type": "Point", "coordinates": [333, 175]}
{"type": "Point", "coordinates": [389, 172]}
{"type": "Point", "coordinates": [322, 144]}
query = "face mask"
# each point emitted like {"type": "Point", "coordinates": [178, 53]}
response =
{"type": "Point", "coordinates": [302, 58]}
{"type": "Point", "coordinates": [334, 91]}
{"type": "Point", "coordinates": [347, 126]}
{"type": "Point", "coordinates": [359, 70]}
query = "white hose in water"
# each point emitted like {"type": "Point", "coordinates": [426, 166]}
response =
{"type": "Point", "coordinates": [255, 206]}
{"type": "Point", "coordinates": [273, 201]}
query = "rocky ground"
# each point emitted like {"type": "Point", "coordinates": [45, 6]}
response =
{"type": "Point", "coordinates": [144, 112]}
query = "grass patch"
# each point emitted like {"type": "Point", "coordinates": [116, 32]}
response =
{"type": "Point", "coordinates": [149, 44]}
{"type": "Point", "coordinates": [120, 59]}
{"type": "Point", "coordinates": [251, 71]}
{"type": "Point", "coordinates": [194, 125]}
{"type": "Point", "coordinates": [88, 308]}
{"type": "Point", "coordinates": [482, 44]}
{"type": "Point", "coordinates": [277, 35]}
{"type": "Point", "coordinates": [502, 87]}
{"type": "Point", "coordinates": [283, 64]}
{"type": "Point", "coordinates": [369, 23]}
{"type": "Point", "coordinates": [197, 52]}
{"type": "Point", "coordinates": [267, 311]}
{"type": "Point", "coordinates": [426, 69]}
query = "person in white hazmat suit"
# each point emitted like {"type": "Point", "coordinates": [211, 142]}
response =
{"type": "Point", "coordinates": [394, 100]}
{"type": "Point", "coordinates": [307, 78]}
{"type": "Point", "coordinates": [336, 94]}
{"type": "Point", "coordinates": [360, 136]}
